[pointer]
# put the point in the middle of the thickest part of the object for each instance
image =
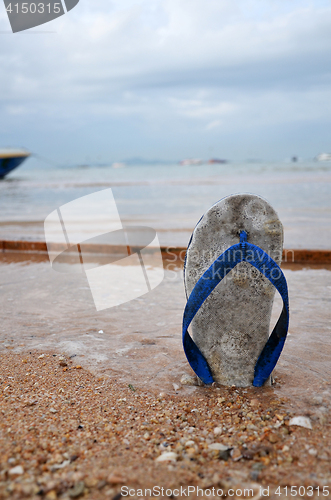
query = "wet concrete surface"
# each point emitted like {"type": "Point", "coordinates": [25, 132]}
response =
{"type": "Point", "coordinates": [139, 342]}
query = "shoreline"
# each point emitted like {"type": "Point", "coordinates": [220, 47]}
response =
{"type": "Point", "coordinates": [289, 256]}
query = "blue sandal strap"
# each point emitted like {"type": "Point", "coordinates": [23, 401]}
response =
{"type": "Point", "coordinates": [241, 252]}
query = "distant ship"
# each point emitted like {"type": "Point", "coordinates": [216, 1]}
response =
{"type": "Point", "coordinates": [217, 160]}
{"type": "Point", "coordinates": [191, 161]}
{"type": "Point", "coordinates": [10, 159]}
{"type": "Point", "coordinates": [197, 161]}
{"type": "Point", "coordinates": [323, 157]}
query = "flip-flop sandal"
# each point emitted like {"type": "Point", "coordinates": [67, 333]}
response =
{"type": "Point", "coordinates": [231, 272]}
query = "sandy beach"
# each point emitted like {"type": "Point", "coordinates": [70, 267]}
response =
{"type": "Point", "coordinates": [66, 433]}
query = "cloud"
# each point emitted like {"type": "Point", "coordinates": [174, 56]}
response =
{"type": "Point", "coordinates": [197, 43]}
{"type": "Point", "coordinates": [202, 108]}
{"type": "Point", "coordinates": [207, 66]}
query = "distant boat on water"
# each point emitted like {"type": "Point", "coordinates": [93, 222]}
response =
{"type": "Point", "coordinates": [11, 159]}
{"type": "Point", "coordinates": [198, 161]}
{"type": "Point", "coordinates": [323, 157]}
{"type": "Point", "coordinates": [191, 161]}
{"type": "Point", "coordinates": [216, 160]}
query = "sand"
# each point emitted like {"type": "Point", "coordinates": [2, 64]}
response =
{"type": "Point", "coordinates": [66, 433]}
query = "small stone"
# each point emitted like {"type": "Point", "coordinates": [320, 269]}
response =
{"type": "Point", "coordinates": [218, 446]}
{"type": "Point", "coordinates": [285, 448]}
{"type": "Point", "coordinates": [312, 452]}
{"type": "Point", "coordinates": [301, 422]}
{"type": "Point", "coordinates": [248, 454]}
{"type": "Point", "coordinates": [236, 454]}
{"type": "Point", "coordinates": [53, 410]}
{"type": "Point", "coordinates": [61, 358]}
{"type": "Point", "coordinates": [273, 437]}
{"type": "Point", "coordinates": [188, 380]}
{"type": "Point", "coordinates": [91, 482]}
{"type": "Point", "coordinates": [322, 418]}
{"type": "Point", "coordinates": [77, 490]}
{"type": "Point", "coordinates": [224, 454]}
{"type": "Point", "coordinates": [168, 456]}
{"type": "Point", "coordinates": [254, 402]}
{"type": "Point", "coordinates": [164, 446]}
{"type": "Point", "coordinates": [31, 402]}
{"type": "Point", "coordinates": [63, 363]}
{"type": "Point", "coordinates": [176, 387]}
{"type": "Point", "coordinates": [60, 466]}
{"type": "Point", "coordinates": [115, 479]}
{"type": "Point", "coordinates": [100, 331]}
{"type": "Point", "coordinates": [51, 495]}
{"type": "Point", "coordinates": [146, 435]}
{"type": "Point", "coordinates": [78, 367]}
{"type": "Point", "coordinates": [16, 471]}
{"type": "Point", "coordinates": [218, 430]}
{"type": "Point", "coordinates": [189, 443]}
{"type": "Point", "coordinates": [254, 474]}
{"type": "Point", "coordinates": [101, 484]}
{"type": "Point", "coordinates": [41, 356]}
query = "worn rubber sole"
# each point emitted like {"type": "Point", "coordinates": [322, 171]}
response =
{"type": "Point", "coordinates": [232, 326]}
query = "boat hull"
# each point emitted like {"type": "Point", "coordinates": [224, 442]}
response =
{"type": "Point", "coordinates": [10, 162]}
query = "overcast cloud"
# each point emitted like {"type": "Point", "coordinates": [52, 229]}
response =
{"type": "Point", "coordinates": [170, 79]}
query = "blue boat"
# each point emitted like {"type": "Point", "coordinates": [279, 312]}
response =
{"type": "Point", "coordinates": [10, 159]}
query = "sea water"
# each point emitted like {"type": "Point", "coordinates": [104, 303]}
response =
{"type": "Point", "coordinates": [171, 198]}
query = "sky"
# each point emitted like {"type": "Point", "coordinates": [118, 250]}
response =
{"type": "Point", "coordinates": [170, 79]}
